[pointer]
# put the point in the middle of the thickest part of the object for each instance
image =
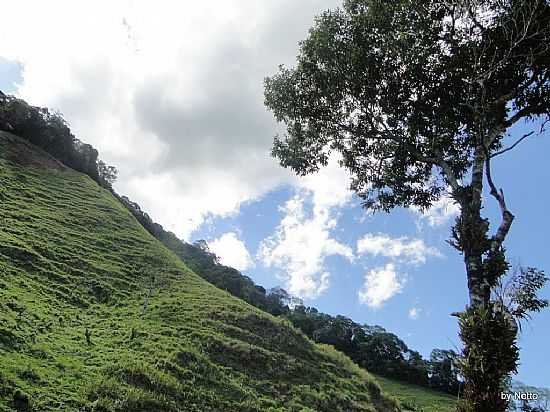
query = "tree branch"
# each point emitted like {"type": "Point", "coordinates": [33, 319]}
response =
{"type": "Point", "coordinates": [526, 135]}
{"type": "Point", "coordinates": [519, 115]}
{"type": "Point", "coordinates": [437, 161]}
{"type": "Point", "coordinates": [449, 174]}
{"type": "Point", "coordinates": [477, 171]}
{"type": "Point", "coordinates": [507, 216]}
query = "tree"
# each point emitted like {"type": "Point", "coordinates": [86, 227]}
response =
{"type": "Point", "coordinates": [107, 174]}
{"type": "Point", "coordinates": [518, 293]}
{"type": "Point", "coordinates": [444, 370]}
{"type": "Point", "coordinates": [383, 352]}
{"type": "Point", "coordinates": [340, 332]}
{"type": "Point", "coordinates": [418, 98]}
{"type": "Point", "coordinates": [525, 407]}
{"type": "Point", "coordinates": [417, 368]}
{"type": "Point", "coordinates": [88, 159]}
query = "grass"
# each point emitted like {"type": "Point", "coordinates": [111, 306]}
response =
{"type": "Point", "coordinates": [97, 315]}
{"type": "Point", "coordinates": [416, 398]}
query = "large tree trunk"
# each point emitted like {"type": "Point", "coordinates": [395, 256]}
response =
{"type": "Point", "coordinates": [471, 234]}
{"type": "Point", "coordinates": [490, 353]}
{"type": "Point", "coordinates": [474, 271]}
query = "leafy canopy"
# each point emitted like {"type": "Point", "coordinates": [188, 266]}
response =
{"type": "Point", "coordinates": [407, 90]}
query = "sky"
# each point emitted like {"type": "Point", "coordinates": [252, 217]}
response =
{"type": "Point", "coordinates": [172, 94]}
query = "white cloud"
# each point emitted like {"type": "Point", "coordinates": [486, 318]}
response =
{"type": "Point", "coordinates": [380, 285]}
{"type": "Point", "coordinates": [414, 313]}
{"type": "Point", "coordinates": [232, 251]}
{"type": "Point", "coordinates": [172, 94]}
{"type": "Point", "coordinates": [329, 187]}
{"type": "Point", "coordinates": [440, 213]}
{"type": "Point", "coordinates": [303, 240]}
{"type": "Point", "coordinates": [409, 250]}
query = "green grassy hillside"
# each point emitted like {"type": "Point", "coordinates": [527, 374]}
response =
{"type": "Point", "coordinates": [416, 398]}
{"type": "Point", "coordinates": [95, 314]}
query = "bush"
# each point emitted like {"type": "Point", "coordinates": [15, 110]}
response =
{"type": "Point", "coordinates": [21, 401]}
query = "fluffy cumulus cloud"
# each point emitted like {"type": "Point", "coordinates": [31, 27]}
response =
{"type": "Point", "coordinates": [440, 213]}
{"type": "Point", "coordinates": [380, 284]}
{"type": "Point", "coordinates": [404, 249]}
{"type": "Point", "coordinates": [232, 251]}
{"type": "Point", "coordinates": [304, 238]}
{"type": "Point", "coordinates": [170, 92]}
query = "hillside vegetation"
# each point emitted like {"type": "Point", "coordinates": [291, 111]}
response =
{"type": "Point", "coordinates": [95, 314]}
{"type": "Point", "coordinates": [416, 398]}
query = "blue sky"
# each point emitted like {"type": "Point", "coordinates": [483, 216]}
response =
{"type": "Point", "coordinates": [185, 124]}
{"type": "Point", "coordinates": [10, 75]}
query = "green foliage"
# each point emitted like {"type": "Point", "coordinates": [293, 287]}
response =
{"type": "Point", "coordinates": [107, 174]}
{"type": "Point", "coordinates": [62, 238]}
{"type": "Point", "coordinates": [542, 404]}
{"type": "Point", "coordinates": [206, 264]}
{"type": "Point", "coordinates": [50, 132]}
{"type": "Point", "coordinates": [522, 293]}
{"type": "Point", "coordinates": [397, 88]}
{"type": "Point", "coordinates": [490, 353]}
{"type": "Point", "coordinates": [377, 350]}
{"type": "Point", "coordinates": [417, 399]}
{"type": "Point", "coordinates": [445, 370]}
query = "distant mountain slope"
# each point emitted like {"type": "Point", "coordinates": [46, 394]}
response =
{"type": "Point", "coordinates": [97, 315]}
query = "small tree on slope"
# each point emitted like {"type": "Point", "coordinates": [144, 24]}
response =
{"type": "Point", "coordinates": [418, 98]}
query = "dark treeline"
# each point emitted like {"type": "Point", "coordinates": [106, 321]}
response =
{"type": "Point", "coordinates": [49, 131]}
{"type": "Point", "coordinates": [371, 347]}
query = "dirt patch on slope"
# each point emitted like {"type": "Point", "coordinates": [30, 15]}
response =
{"type": "Point", "coordinates": [18, 150]}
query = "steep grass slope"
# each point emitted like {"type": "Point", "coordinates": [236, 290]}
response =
{"type": "Point", "coordinates": [95, 314]}
{"type": "Point", "coordinates": [417, 398]}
